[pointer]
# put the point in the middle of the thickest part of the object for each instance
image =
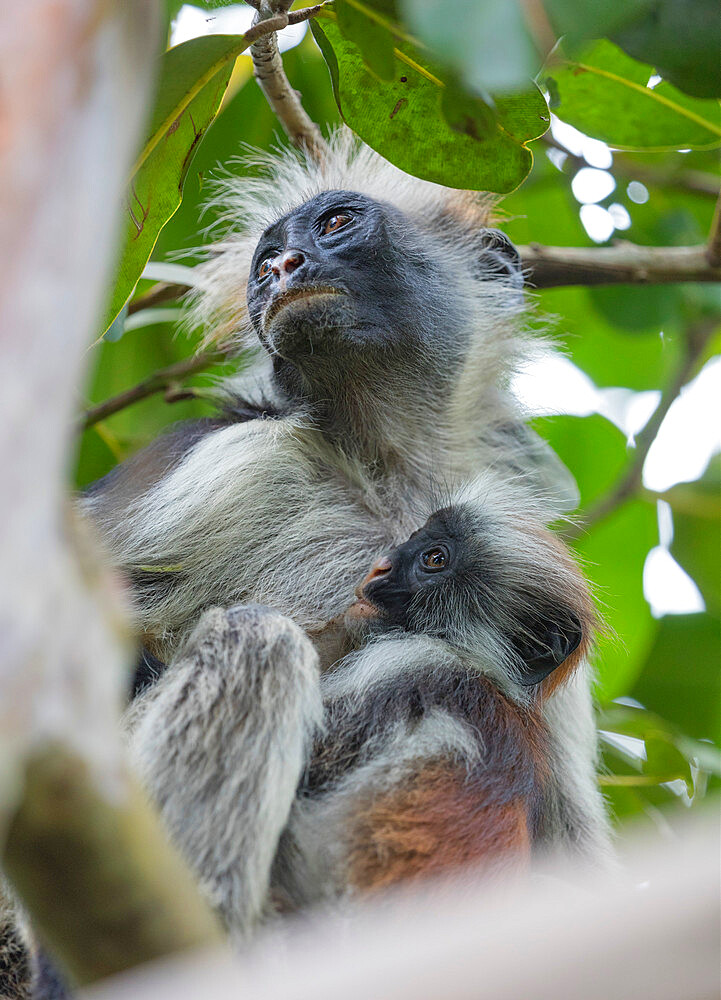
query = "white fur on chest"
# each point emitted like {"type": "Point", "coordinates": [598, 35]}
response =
{"type": "Point", "coordinates": [252, 513]}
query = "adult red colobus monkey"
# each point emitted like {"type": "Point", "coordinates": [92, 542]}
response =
{"type": "Point", "coordinates": [424, 748]}
{"type": "Point", "coordinates": [385, 318]}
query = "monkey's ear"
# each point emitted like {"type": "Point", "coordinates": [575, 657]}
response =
{"type": "Point", "coordinates": [499, 258]}
{"type": "Point", "coordinates": [550, 647]}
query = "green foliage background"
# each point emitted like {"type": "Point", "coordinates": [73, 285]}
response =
{"type": "Point", "coordinates": [464, 130]}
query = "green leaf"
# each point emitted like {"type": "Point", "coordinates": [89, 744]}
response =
{"type": "Point", "coordinates": [603, 93]}
{"type": "Point", "coordinates": [613, 555]}
{"type": "Point", "coordinates": [486, 42]}
{"type": "Point", "coordinates": [696, 544]}
{"type": "Point", "coordinates": [193, 79]}
{"type": "Point", "coordinates": [578, 20]}
{"type": "Point", "coordinates": [404, 122]}
{"type": "Point", "coordinates": [466, 114]}
{"type": "Point", "coordinates": [682, 39]}
{"type": "Point", "coordinates": [680, 678]}
{"type": "Point", "coordinates": [373, 39]}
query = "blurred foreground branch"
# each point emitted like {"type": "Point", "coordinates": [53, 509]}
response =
{"type": "Point", "coordinates": [84, 851]}
{"type": "Point", "coordinates": [654, 932]}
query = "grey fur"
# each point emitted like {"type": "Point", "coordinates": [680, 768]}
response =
{"type": "Point", "coordinates": [16, 955]}
{"type": "Point", "coordinates": [221, 742]}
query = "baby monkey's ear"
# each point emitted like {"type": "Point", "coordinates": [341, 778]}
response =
{"type": "Point", "coordinates": [499, 257]}
{"type": "Point", "coordinates": [552, 643]}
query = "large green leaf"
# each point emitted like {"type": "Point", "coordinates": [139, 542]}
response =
{"type": "Point", "coordinates": [578, 20]}
{"type": "Point", "coordinates": [680, 678]}
{"type": "Point", "coordinates": [603, 93]}
{"type": "Point", "coordinates": [682, 39]}
{"type": "Point", "coordinates": [192, 81]}
{"type": "Point", "coordinates": [404, 120]}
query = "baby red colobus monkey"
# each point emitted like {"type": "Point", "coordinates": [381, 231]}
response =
{"type": "Point", "coordinates": [436, 752]}
{"type": "Point", "coordinates": [506, 594]}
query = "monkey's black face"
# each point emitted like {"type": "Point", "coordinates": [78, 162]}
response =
{"type": "Point", "coordinates": [341, 271]}
{"type": "Point", "coordinates": [444, 581]}
{"type": "Point", "coordinates": [405, 589]}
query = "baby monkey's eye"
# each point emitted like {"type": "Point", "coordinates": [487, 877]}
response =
{"type": "Point", "coordinates": [434, 559]}
{"type": "Point", "coordinates": [335, 222]}
{"type": "Point", "coordinates": [265, 268]}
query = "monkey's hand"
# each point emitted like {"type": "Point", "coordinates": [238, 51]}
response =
{"type": "Point", "coordinates": [221, 741]}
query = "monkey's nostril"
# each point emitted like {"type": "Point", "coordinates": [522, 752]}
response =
{"type": "Point", "coordinates": [292, 260]}
{"type": "Point", "coordinates": [379, 568]}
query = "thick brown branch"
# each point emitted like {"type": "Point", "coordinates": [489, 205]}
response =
{"type": "Point", "coordinates": [158, 382]}
{"type": "Point", "coordinates": [697, 337]}
{"type": "Point", "coordinates": [269, 72]}
{"type": "Point", "coordinates": [624, 263]}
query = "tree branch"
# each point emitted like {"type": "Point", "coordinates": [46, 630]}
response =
{"type": "Point", "coordinates": [268, 71]}
{"type": "Point", "coordinates": [86, 853]}
{"type": "Point", "coordinates": [164, 291]}
{"type": "Point", "coordinates": [713, 249]}
{"type": "Point", "coordinates": [623, 263]}
{"type": "Point", "coordinates": [696, 339]}
{"type": "Point", "coordinates": [163, 379]}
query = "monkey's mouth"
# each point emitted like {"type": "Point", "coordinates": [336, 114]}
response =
{"type": "Point", "coordinates": [291, 295]}
{"type": "Point", "coordinates": [362, 609]}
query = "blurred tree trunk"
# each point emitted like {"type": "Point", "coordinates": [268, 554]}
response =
{"type": "Point", "coordinates": [81, 846]}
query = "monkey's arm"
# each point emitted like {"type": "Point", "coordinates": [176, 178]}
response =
{"type": "Point", "coordinates": [221, 741]}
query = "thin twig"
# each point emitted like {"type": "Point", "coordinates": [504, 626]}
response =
{"type": "Point", "coordinates": [696, 339]}
{"type": "Point", "coordinates": [623, 263]}
{"type": "Point", "coordinates": [164, 291]}
{"type": "Point", "coordinates": [268, 71]}
{"type": "Point", "coordinates": [158, 382]}
{"type": "Point", "coordinates": [713, 249]}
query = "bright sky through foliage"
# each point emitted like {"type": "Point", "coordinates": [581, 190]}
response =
{"type": "Point", "coordinates": [192, 22]}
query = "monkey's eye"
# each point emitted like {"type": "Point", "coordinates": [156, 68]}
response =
{"type": "Point", "coordinates": [265, 268]}
{"type": "Point", "coordinates": [434, 559]}
{"type": "Point", "coordinates": [335, 222]}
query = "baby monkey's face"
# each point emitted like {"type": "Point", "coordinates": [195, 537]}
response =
{"type": "Point", "coordinates": [485, 588]}
{"type": "Point", "coordinates": [402, 584]}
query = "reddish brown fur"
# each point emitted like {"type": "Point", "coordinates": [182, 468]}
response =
{"type": "Point", "coordinates": [444, 816]}
{"type": "Point", "coordinates": [435, 822]}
